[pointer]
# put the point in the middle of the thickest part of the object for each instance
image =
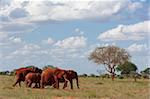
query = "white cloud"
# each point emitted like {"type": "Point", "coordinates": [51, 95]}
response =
{"type": "Point", "coordinates": [28, 49]}
{"type": "Point", "coordinates": [76, 9]}
{"type": "Point", "coordinates": [17, 27]}
{"type": "Point", "coordinates": [138, 48]}
{"type": "Point", "coordinates": [137, 31]}
{"type": "Point", "coordinates": [15, 39]}
{"type": "Point", "coordinates": [9, 41]}
{"type": "Point", "coordinates": [140, 54]}
{"type": "Point", "coordinates": [77, 30]}
{"type": "Point", "coordinates": [48, 41]}
{"type": "Point", "coordinates": [3, 36]}
{"type": "Point", "coordinates": [67, 10]}
{"type": "Point", "coordinates": [134, 6]}
{"type": "Point", "coordinates": [72, 42]}
{"type": "Point", "coordinates": [17, 15]}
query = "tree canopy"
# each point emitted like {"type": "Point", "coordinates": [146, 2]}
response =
{"type": "Point", "coordinates": [47, 66]}
{"type": "Point", "coordinates": [146, 71]}
{"type": "Point", "coordinates": [127, 67]}
{"type": "Point", "coordinates": [110, 57]}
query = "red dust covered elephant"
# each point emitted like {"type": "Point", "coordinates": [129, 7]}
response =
{"type": "Point", "coordinates": [51, 76]}
{"type": "Point", "coordinates": [33, 78]}
{"type": "Point", "coordinates": [71, 74]}
{"type": "Point", "coordinates": [22, 72]}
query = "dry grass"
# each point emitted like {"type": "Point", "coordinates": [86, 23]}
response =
{"type": "Point", "coordinates": [90, 88]}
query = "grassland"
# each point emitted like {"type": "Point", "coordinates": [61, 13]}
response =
{"type": "Point", "coordinates": [90, 88]}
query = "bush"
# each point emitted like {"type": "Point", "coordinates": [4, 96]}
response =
{"type": "Point", "coordinates": [121, 77]}
{"type": "Point", "coordinates": [105, 76]}
{"type": "Point", "coordinates": [92, 75]}
{"type": "Point", "coordinates": [4, 73]}
{"type": "Point", "coordinates": [83, 75]}
{"type": "Point", "coordinates": [145, 76]}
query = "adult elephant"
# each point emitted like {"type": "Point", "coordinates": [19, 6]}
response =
{"type": "Point", "coordinates": [33, 78]}
{"type": "Point", "coordinates": [51, 76]}
{"type": "Point", "coordinates": [71, 74]}
{"type": "Point", "coordinates": [22, 72]}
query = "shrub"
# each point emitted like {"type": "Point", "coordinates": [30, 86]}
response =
{"type": "Point", "coordinates": [121, 77]}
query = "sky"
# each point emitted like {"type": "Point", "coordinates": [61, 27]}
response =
{"type": "Point", "coordinates": [62, 33]}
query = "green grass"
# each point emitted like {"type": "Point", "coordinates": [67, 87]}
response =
{"type": "Point", "coordinates": [90, 88]}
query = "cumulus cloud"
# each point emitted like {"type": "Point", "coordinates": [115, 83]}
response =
{"type": "Point", "coordinates": [15, 39]}
{"type": "Point", "coordinates": [136, 32]}
{"type": "Point", "coordinates": [140, 54]}
{"type": "Point", "coordinates": [28, 49]}
{"type": "Point", "coordinates": [72, 42]}
{"type": "Point", "coordinates": [67, 10]}
{"type": "Point", "coordinates": [48, 41]}
{"type": "Point", "coordinates": [16, 27]}
{"type": "Point", "coordinates": [3, 36]}
{"type": "Point", "coordinates": [18, 13]}
{"type": "Point", "coordinates": [134, 6]}
{"type": "Point", "coordinates": [77, 30]}
{"type": "Point", "coordinates": [10, 40]}
{"type": "Point", "coordinates": [138, 48]}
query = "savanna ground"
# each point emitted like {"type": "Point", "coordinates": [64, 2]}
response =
{"type": "Point", "coordinates": [90, 88]}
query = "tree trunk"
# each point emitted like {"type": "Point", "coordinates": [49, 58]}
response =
{"type": "Point", "coordinates": [113, 73]}
{"type": "Point", "coordinates": [135, 79]}
{"type": "Point", "coordinates": [112, 76]}
{"type": "Point", "coordinates": [111, 70]}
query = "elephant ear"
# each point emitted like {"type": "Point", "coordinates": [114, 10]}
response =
{"type": "Point", "coordinates": [59, 73]}
{"type": "Point", "coordinates": [70, 72]}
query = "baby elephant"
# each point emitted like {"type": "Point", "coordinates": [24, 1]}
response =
{"type": "Point", "coordinates": [33, 78]}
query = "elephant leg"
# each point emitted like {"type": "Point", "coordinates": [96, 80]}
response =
{"type": "Point", "coordinates": [29, 84]}
{"type": "Point", "coordinates": [41, 84]}
{"type": "Point", "coordinates": [54, 85]}
{"type": "Point", "coordinates": [26, 83]}
{"type": "Point", "coordinates": [71, 83]}
{"type": "Point", "coordinates": [65, 84]}
{"type": "Point", "coordinates": [66, 81]}
{"type": "Point", "coordinates": [77, 81]}
{"type": "Point", "coordinates": [42, 81]}
{"type": "Point", "coordinates": [36, 85]}
{"type": "Point", "coordinates": [17, 81]}
{"type": "Point", "coordinates": [56, 82]}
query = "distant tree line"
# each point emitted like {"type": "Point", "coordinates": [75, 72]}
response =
{"type": "Point", "coordinates": [125, 73]}
{"type": "Point", "coordinates": [12, 73]}
{"type": "Point", "coordinates": [128, 70]}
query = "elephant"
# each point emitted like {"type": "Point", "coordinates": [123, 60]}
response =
{"type": "Point", "coordinates": [51, 76]}
{"type": "Point", "coordinates": [33, 78]}
{"type": "Point", "coordinates": [70, 76]}
{"type": "Point", "coordinates": [22, 72]}
{"type": "Point", "coordinates": [47, 78]}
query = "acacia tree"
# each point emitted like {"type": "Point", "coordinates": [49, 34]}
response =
{"type": "Point", "coordinates": [110, 57]}
{"type": "Point", "coordinates": [127, 68]}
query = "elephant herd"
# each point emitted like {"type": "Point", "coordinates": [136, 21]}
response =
{"type": "Point", "coordinates": [49, 76]}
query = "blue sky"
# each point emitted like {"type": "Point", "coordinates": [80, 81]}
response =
{"type": "Point", "coordinates": [63, 33]}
